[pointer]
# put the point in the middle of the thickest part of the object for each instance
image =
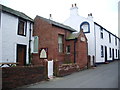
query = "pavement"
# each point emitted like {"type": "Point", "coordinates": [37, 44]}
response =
{"type": "Point", "coordinates": [103, 76]}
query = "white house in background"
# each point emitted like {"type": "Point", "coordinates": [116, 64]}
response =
{"type": "Point", "coordinates": [103, 46]}
{"type": "Point", "coordinates": [15, 36]}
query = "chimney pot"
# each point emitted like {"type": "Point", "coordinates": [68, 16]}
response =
{"type": "Point", "coordinates": [72, 5]}
{"type": "Point", "coordinates": [90, 14]}
{"type": "Point", "coordinates": [50, 17]}
{"type": "Point", "coordinates": [75, 4]}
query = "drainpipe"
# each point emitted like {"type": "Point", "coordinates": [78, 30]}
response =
{"type": "Point", "coordinates": [29, 44]}
{"type": "Point", "coordinates": [75, 50]}
{"type": "Point", "coordinates": [95, 46]}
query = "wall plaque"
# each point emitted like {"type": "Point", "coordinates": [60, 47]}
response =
{"type": "Point", "coordinates": [43, 53]}
{"type": "Point", "coordinates": [82, 39]}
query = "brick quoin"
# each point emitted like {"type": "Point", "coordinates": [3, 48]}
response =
{"type": "Point", "coordinates": [48, 38]}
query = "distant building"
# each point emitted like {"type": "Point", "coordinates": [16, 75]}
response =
{"type": "Point", "coordinates": [15, 36]}
{"type": "Point", "coordinates": [55, 41]}
{"type": "Point", "coordinates": [102, 44]}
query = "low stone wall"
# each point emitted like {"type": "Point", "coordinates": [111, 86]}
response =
{"type": "Point", "coordinates": [66, 69]}
{"type": "Point", "coordinates": [13, 77]}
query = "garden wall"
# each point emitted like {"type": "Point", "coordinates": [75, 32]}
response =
{"type": "Point", "coordinates": [65, 69]}
{"type": "Point", "coordinates": [13, 77]}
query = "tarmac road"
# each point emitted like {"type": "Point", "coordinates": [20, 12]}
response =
{"type": "Point", "coordinates": [103, 76]}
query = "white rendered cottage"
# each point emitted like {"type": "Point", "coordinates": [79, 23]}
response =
{"type": "Point", "coordinates": [103, 46]}
{"type": "Point", "coordinates": [15, 36]}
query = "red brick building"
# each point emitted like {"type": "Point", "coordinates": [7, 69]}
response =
{"type": "Point", "coordinates": [59, 42]}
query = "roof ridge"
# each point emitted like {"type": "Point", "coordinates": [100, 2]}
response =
{"type": "Point", "coordinates": [15, 12]}
{"type": "Point", "coordinates": [57, 24]}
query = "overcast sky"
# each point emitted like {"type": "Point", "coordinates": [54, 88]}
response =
{"type": "Point", "coordinates": [105, 12]}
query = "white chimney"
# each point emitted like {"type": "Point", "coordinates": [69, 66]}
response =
{"type": "Point", "coordinates": [50, 17]}
{"type": "Point", "coordinates": [74, 10]}
{"type": "Point", "coordinates": [90, 16]}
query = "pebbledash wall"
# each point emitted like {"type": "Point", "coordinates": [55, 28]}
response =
{"type": "Point", "coordinates": [48, 31]}
{"type": "Point", "coordinates": [92, 31]}
{"type": "Point", "coordinates": [10, 38]}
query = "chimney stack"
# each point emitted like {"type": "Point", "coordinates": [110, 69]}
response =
{"type": "Point", "coordinates": [90, 16]}
{"type": "Point", "coordinates": [74, 10]}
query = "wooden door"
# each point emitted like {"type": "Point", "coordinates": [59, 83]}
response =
{"type": "Point", "coordinates": [113, 54]}
{"type": "Point", "coordinates": [21, 54]}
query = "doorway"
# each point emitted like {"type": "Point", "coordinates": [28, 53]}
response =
{"type": "Point", "coordinates": [105, 54]}
{"type": "Point", "coordinates": [21, 54]}
{"type": "Point", "coordinates": [112, 54]}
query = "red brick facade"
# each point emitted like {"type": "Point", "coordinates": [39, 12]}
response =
{"type": "Point", "coordinates": [48, 38]}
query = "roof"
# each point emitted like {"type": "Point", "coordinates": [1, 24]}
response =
{"type": "Point", "coordinates": [73, 36]}
{"type": "Point", "coordinates": [58, 24]}
{"type": "Point", "coordinates": [106, 30]}
{"type": "Point", "coordinates": [14, 12]}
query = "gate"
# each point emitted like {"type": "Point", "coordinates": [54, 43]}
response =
{"type": "Point", "coordinates": [50, 69]}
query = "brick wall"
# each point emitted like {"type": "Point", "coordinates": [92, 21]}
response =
{"type": "Point", "coordinates": [81, 51]}
{"type": "Point", "coordinates": [13, 77]}
{"type": "Point", "coordinates": [48, 38]}
{"type": "Point", "coordinates": [65, 69]}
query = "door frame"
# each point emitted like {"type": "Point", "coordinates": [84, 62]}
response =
{"type": "Point", "coordinates": [23, 46]}
{"type": "Point", "coordinates": [105, 53]}
{"type": "Point", "coordinates": [118, 55]}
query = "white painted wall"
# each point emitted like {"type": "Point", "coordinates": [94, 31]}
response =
{"type": "Point", "coordinates": [94, 39]}
{"type": "Point", "coordinates": [75, 21]}
{"type": "Point", "coordinates": [10, 39]}
{"type": "Point", "coordinates": [105, 42]}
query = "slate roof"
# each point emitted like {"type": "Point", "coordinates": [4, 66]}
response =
{"type": "Point", "coordinates": [57, 24]}
{"type": "Point", "coordinates": [73, 36]}
{"type": "Point", "coordinates": [106, 30]}
{"type": "Point", "coordinates": [14, 12]}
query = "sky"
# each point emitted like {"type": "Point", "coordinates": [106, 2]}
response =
{"type": "Point", "coordinates": [105, 12]}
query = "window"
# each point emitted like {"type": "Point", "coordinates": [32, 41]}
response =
{"type": "Point", "coordinates": [109, 38]}
{"type": "Point", "coordinates": [101, 33]}
{"type": "Point", "coordinates": [86, 27]}
{"type": "Point", "coordinates": [35, 44]}
{"type": "Point", "coordinates": [115, 41]}
{"type": "Point", "coordinates": [116, 52]}
{"type": "Point", "coordinates": [22, 27]}
{"type": "Point", "coordinates": [102, 54]}
{"type": "Point", "coordinates": [60, 43]}
{"type": "Point", "coordinates": [68, 49]}
{"type": "Point", "coordinates": [110, 52]}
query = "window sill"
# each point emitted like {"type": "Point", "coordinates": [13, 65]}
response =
{"type": "Point", "coordinates": [35, 52]}
{"type": "Point", "coordinates": [68, 53]}
{"type": "Point", "coordinates": [21, 35]}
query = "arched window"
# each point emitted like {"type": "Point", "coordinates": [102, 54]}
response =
{"type": "Point", "coordinates": [85, 26]}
